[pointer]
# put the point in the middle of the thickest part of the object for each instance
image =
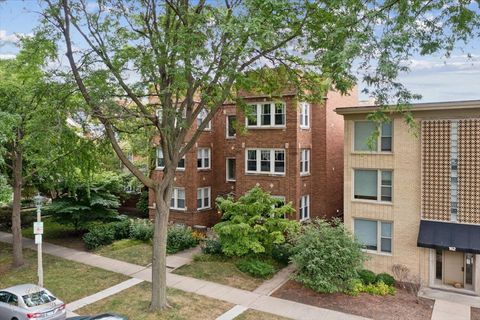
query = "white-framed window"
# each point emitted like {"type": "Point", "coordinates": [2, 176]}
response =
{"type": "Point", "coordinates": [178, 199]}
{"type": "Point", "coordinates": [203, 198]}
{"type": "Point", "coordinates": [160, 162]}
{"type": "Point", "coordinates": [304, 207]}
{"type": "Point", "coordinates": [159, 114]}
{"type": "Point", "coordinates": [304, 115]}
{"type": "Point", "coordinates": [375, 185]}
{"type": "Point", "coordinates": [280, 201]}
{"type": "Point", "coordinates": [231, 169]}
{"type": "Point", "coordinates": [201, 117]}
{"type": "Point", "coordinates": [203, 158]}
{"type": "Point", "coordinates": [269, 161]}
{"type": "Point", "coordinates": [304, 161]}
{"type": "Point", "coordinates": [375, 235]}
{"type": "Point", "coordinates": [231, 131]}
{"type": "Point", "coordinates": [364, 130]}
{"type": "Point", "coordinates": [265, 114]}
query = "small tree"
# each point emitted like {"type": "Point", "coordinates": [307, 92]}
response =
{"type": "Point", "coordinates": [254, 223]}
{"type": "Point", "coordinates": [90, 201]}
{"type": "Point", "coordinates": [327, 257]}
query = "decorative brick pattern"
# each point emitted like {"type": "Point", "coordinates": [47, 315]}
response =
{"type": "Point", "coordinates": [469, 171]}
{"type": "Point", "coordinates": [436, 170]}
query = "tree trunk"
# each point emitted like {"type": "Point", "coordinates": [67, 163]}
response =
{"type": "Point", "coordinates": [159, 256]}
{"type": "Point", "coordinates": [16, 209]}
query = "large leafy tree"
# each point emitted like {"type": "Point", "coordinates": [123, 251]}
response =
{"type": "Point", "coordinates": [193, 55]}
{"type": "Point", "coordinates": [37, 146]}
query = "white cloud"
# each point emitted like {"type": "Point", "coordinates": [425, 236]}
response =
{"type": "Point", "coordinates": [8, 38]}
{"type": "Point", "coordinates": [4, 56]}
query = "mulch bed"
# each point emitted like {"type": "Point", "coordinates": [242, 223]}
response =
{"type": "Point", "coordinates": [400, 306]}
{"type": "Point", "coordinates": [475, 313]}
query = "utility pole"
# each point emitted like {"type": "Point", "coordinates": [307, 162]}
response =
{"type": "Point", "coordinates": [38, 231]}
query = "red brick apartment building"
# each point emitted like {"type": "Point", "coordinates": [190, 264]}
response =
{"type": "Point", "coordinates": [292, 149]}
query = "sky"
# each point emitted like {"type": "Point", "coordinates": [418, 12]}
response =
{"type": "Point", "coordinates": [434, 77]}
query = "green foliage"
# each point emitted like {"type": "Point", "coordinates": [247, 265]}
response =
{"type": "Point", "coordinates": [282, 253]}
{"type": "Point", "coordinates": [385, 278]}
{"type": "Point", "coordinates": [142, 203]}
{"type": "Point", "coordinates": [99, 235]}
{"type": "Point", "coordinates": [256, 268]}
{"type": "Point", "coordinates": [180, 237]}
{"type": "Point", "coordinates": [104, 234]}
{"type": "Point", "coordinates": [5, 190]}
{"type": "Point", "coordinates": [141, 229]}
{"type": "Point", "coordinates": [253, 224]}
{"type": "Point", "coordinates": [211, 245]}
{"type": "Point", "coordinates": [327, 257]}
{"type": "Point", "coordinates": [377, 288]}
{"type": "Point", "coordinates": [90, 201]}
{"type": "Point", "coordinates": [367, 276]}
{"type": "Point", "coordinates": [27, 217]}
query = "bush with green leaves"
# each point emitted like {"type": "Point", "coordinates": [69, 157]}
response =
{"type": "Point", "coordinates": [256, 268]}
{"type": "Point", "coordinates": [253, 224]}
{"type": "Point", "coordinates": [385, 278]}
{"type": "Point", "coordinates": [367, 276]}
{"type": "Point", "coordinates": [377, 288]}
{"type": "Point", "coordinates": [99, 235]}
{"type": "Point", "coordinates": [94, 200]}
{"type": "Point", "coordinates": [180, 237]}
{"type": "Point", "coordinates": [211, 245]}
{"type": "Point", "coordinates": [327, 257]}
{"type": "Point", "coordinates": [142, 203]}
{"type": "Point", "coordinates": [281, 253]}
{"type": "Point", "coordinates": [141, 229]}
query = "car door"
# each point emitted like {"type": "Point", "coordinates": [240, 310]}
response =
{"type": "Point", "coordinates": [5, 308]}
{"type": "Point", "coordinates": [17, 312]}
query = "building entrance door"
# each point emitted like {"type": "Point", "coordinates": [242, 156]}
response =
{"type": "Point", "coordinates": [454, 271]}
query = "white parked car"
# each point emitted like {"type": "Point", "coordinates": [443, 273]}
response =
{"type": "Point", "coordinates": [29, 301]}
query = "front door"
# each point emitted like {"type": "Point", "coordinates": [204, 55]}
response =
{"type": "Point", "coordinates": [469, 270]}
{"type": "Point", "coordinates": [454, 268]}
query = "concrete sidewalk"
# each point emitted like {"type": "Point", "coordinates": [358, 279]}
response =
{"type": "Point", "coordinates": [447, 310]}
{"type": "Point", "coordinates": [251, 300]}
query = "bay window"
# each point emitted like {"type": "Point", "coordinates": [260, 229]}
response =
{"type": "Point", "coordinates": [178, 199]}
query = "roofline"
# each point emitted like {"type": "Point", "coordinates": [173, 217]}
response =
{"type": "Point", "coordinates": [428, 106]}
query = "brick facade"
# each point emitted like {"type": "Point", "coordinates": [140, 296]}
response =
{"type": "Point", "coordinates": [324, 138]}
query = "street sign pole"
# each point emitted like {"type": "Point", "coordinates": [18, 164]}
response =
{"type": "Point", "coordinates": [38, 230]}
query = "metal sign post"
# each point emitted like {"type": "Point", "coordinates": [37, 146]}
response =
{"type": "Point", "coordinates": [38, 231]}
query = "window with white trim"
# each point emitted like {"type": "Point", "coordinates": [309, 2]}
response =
{"type": "Point", "coordinates": [268, 114]}
{"type": "Point", "coordinates": [304, 207]}
{"type": "Point", "coordinates": [304, 115]}
{"type": "Point", "coordinates": [304, 161]}
{"type": "Point", "coordinates": [269, 161]}
{"type": "Point", "coordinates": [201, 117]}
{"type": "Point", "coordinates": [375, 235]}
{"type": "Point", "coordinates": [373, 185]}
{"type": "Point", "coordinates": [231, 130]}
{"type": "Point", "coordinates": [178, 199]}
{"type": "Point", "coordinates": [203, 158]}
{"type": "Point", "coordinates": [364, 131]}
{"type": "Point", "coordinates": [160, 163]}
{"type": "Point", "coordinates": [203, 198]}
{"type": "Point", "coordinates": [231, 168]}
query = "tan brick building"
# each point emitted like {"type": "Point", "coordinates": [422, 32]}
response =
{"type": "Point", "coordinates": [415, 199]}
{"type": "Point", "coordinates": [290, 148]}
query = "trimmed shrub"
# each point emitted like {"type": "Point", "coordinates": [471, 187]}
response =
{"type": "Point", "coordinates": [211, 245]}
{"type": "Point", "coordinates": [281, 253]}
{"type": "Point", "coordinates": [256, 268]}
{"type": "Point", "coordinates": [179, 238]}
{"type": "Point", "coordinates": [385, 278]}
{"type": "Point", "coordinates": [367, 276]}
{"type": "Point", "coordinates": [141, 229]}
{"type": "Point", "coordinates": [121, 229]}
{"type": "Point", "coordinates": [99, 235]}
{"type": "Point", "coordinates": [327, 257]}
{"type": "Point", "coordinates": [378, 289]}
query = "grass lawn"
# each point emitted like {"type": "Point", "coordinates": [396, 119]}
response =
{"type": "Point", "coordinates": [56, 233]}
{"type": "Point", "coordinates": [128, 250]}
{"type": "Point", "coordinates": [66, 279]}
{"type": "Point", "coordinates": [134, 303]}
{"type": "Point", "coordinates": [219, 269]}
{"type": "Point", "coordinates": [255, 315]}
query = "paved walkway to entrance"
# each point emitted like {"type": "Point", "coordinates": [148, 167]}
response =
{"type": "Point", "coordinates": [450, 305]}
{"type": "Point", "coordinates": [251, 300]}
{"type": "Point", "coordinates": [447, 310]}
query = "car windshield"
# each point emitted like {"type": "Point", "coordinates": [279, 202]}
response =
{"type": "Point", "coordinates": [38, 298]}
